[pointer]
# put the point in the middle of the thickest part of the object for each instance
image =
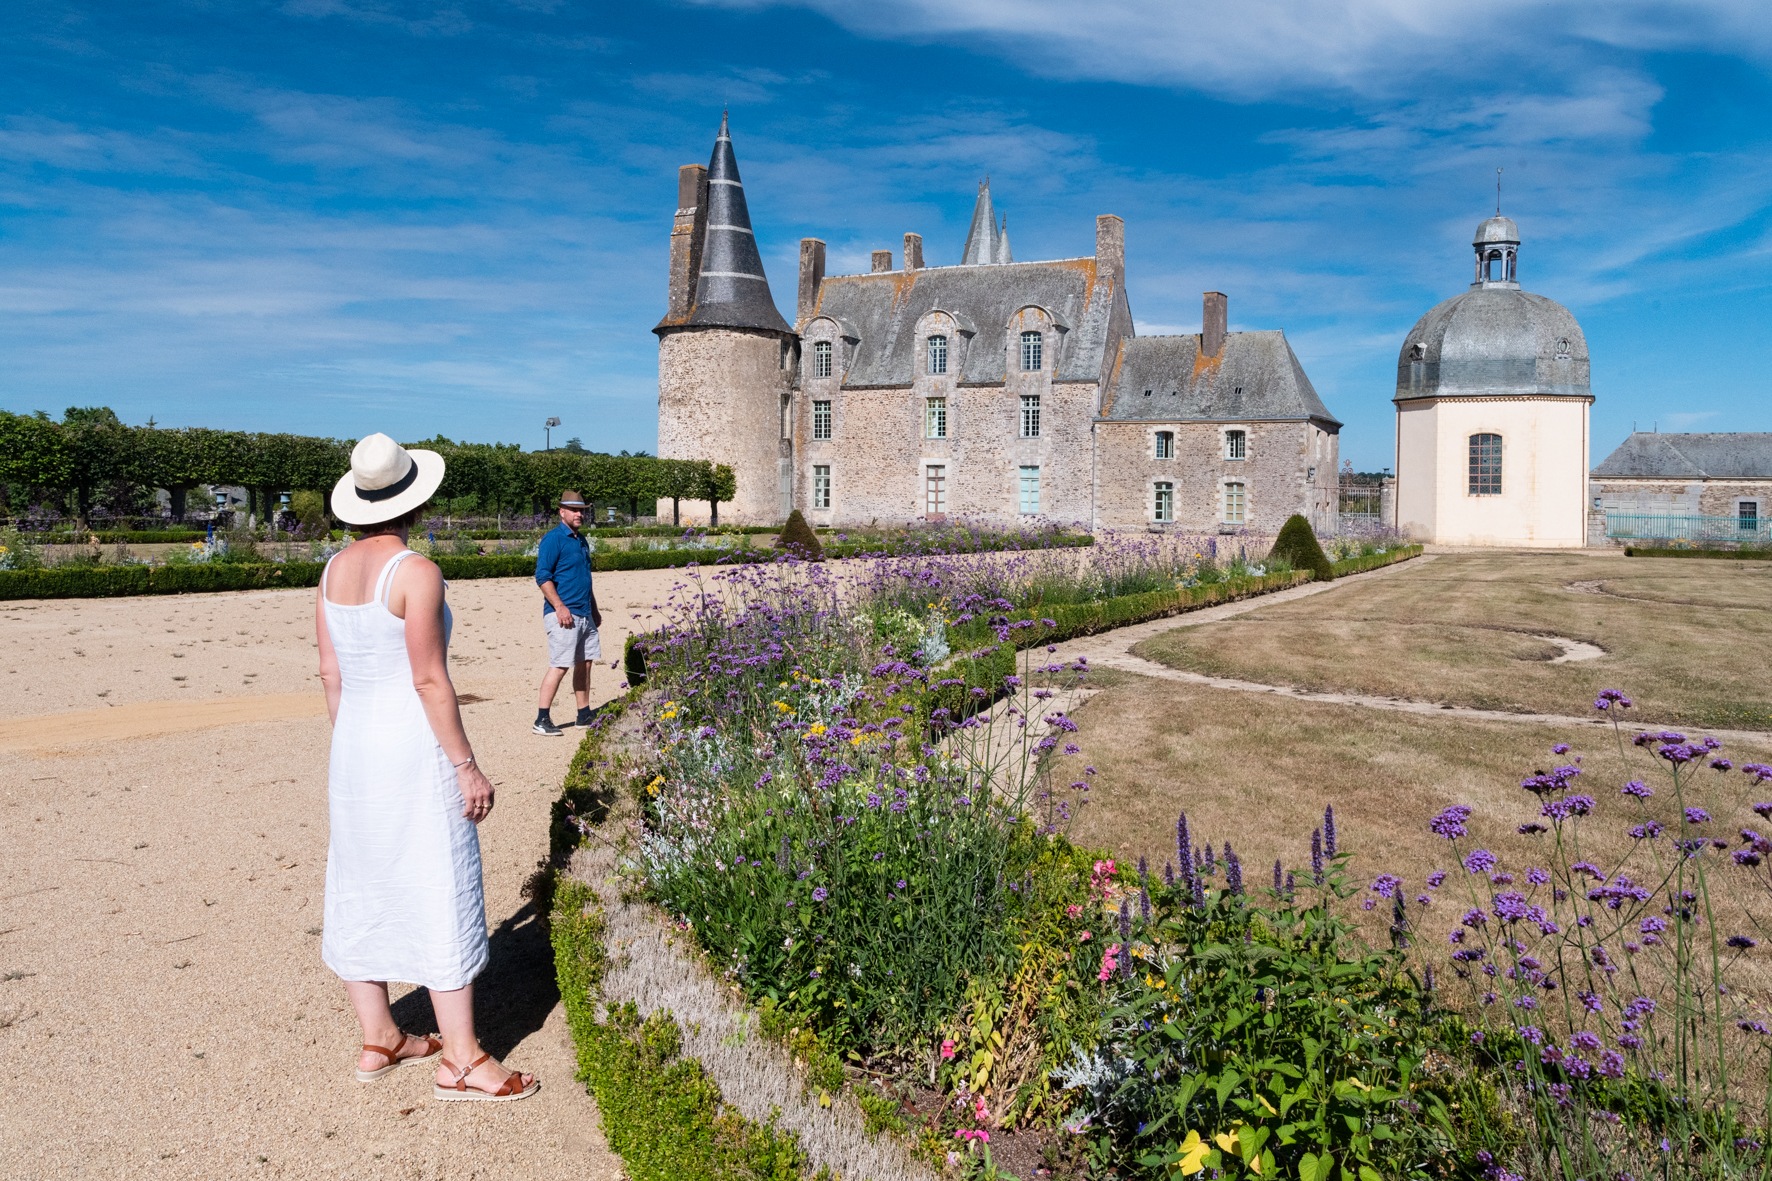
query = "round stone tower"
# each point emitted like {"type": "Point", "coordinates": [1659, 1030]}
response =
{"type": "Point", "coordinates": [1492, 413]}
{"type": "Point", "coordinates": [726, 357]}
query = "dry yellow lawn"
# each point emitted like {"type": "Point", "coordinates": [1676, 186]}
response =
{"type": "Point", "coordinates": [1686, 638]}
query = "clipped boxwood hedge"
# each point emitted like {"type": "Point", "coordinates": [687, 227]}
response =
{"type": "Point", "coordinates": [1739, 555]}
{"type": "Point", "coordinates": [1367, 562]}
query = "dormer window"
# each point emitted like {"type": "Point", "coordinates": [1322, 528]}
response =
{"type": "Point", "coordinates": [1563, 351]}
{"type": "Point", "coordinates": [1418, 352]}
{"type": "Point", "coordinates": [938, 354]}
{"type": "Point", "coordinates": [1033, 347]}
{"type": "Point", "coordinates": [821, 358]}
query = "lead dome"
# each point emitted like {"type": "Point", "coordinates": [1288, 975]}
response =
{"type": "Point", "coordinates": [1494, 338]}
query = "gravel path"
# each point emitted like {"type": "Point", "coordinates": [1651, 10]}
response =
{"type": "Point", "coordinates": [163, 1008]}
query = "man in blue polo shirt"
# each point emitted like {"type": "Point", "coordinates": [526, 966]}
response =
{"type": "Point", "coordinates": [569, 613]}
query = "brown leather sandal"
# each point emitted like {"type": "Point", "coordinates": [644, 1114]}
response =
{"type": "Point", "coordinates": [433, 1047]}
{"type": "Point", "coordinates": [512, 1089]}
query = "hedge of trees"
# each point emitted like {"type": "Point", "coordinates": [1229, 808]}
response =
{"type": "Point", "coordinates": [89, 456]}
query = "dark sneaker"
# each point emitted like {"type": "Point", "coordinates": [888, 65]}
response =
{"type": "Point", "coordinates": [584, 718]}
{"type": "Point", "coordinates": [546, 726]}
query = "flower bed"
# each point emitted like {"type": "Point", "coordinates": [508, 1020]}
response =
{"type": "Point", "coordinates": [1744, 554]}
{"type": "Point", "coordinates": [828, 810]}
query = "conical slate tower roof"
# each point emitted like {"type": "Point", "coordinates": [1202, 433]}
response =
{"type": "Point", "coordinates": [985, 243]}
{"type": "Point", "coordinates": [731, 291]}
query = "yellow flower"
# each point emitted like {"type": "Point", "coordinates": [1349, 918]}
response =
{"type": "Point", "coordinates": [815, 730]}
{"type": "Point", "coordinates": [667, 715]}
{"type": "Point", "coordinates": [652, 788]}
{"type": "Point", "coordinates": [784, 707]}
{"type": "Point", "coordinates": [1193, 1155]}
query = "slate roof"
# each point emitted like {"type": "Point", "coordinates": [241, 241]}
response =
{"type": "Point", "coordinates": [1256, 376]}
{"type": "Point", "coordinates": [1733, 456]}
{"type": "Point", "coordinates": [1494, 339]}
{"type": "Point", "coordinates": [881, 311]}
{"type": "Point", "coordinates": [731, 291]}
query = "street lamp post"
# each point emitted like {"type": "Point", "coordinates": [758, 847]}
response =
{"type": "Point", "coordinates": [548, 427]}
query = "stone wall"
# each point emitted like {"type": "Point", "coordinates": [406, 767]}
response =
{"type": "Point", "coordinates": [1276, 473]}
{"type": "Point", "coordinates": [879, 453]}
{"type": "Point", "coordinates": [1706, 498]}
{"type": "Point", "coordinates": [720, 396]}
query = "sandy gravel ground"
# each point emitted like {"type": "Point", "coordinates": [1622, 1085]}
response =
{"type": "Point", "coordinates": [163, 1008]}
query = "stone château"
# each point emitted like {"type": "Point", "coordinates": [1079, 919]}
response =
{"type": "Point", "coordinates": [993, 389]}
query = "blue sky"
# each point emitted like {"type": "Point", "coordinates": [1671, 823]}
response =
{"type": "Point", "coordinates": [338, 216]}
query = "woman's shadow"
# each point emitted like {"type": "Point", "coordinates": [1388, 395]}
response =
{"type": "Point", "coordinates": [512, 997]}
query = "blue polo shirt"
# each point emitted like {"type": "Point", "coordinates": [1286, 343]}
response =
{"type": "Point", "coordinates": [564, 559]}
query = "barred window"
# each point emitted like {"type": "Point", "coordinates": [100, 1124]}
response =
{"type": "Point", "coordinates": [1485, 473]}
{"type": "Point", "coordinates": [1164, 508]}
{"type": "Point", "coordinates": [938, 354]}
{"type": "Point", "coordinates": [1033, 347]}
{"type": "Point", "coordinates": [821, 358]}
{"type": "Point", "coordinates": [821, 418]}
{"type": "Point", "coordinates": [1235, 503]}
{"type": "Point", "coordinates": [1165, 444]}
{"type": "Point", "coordinates": [821, 485]}
{"type": "Point", "coordinates": [1030, 416]}
{"type": "Point", "coordinates": [1030, 490]}
{"type": "Point", "coordinates": [1747, 515]}
{"type": "Point", "coordinates": [1236, 444]}
{"type": "Point", "coordinates": [935, 418]}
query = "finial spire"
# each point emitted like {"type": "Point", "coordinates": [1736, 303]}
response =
{"type": "Point", "coordinates": [986, 242]}
{"type": "Point", "coordinates": [1498, 192]}
{"type": "Point", "coordinates": [731, 290]}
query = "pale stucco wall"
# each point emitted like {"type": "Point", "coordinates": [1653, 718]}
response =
{"type": "Point", "coordinates": [719, 398]}
{"type": "Point", "coordinates": [1543, 501]}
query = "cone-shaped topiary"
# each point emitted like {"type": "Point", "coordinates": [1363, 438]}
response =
{"type": "Point", "coordinates": [798, 539]}
{"type": "Point", "coordinates": [1297, 543]}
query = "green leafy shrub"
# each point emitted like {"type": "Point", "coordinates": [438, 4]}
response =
{"type": "Point", "coordinates": [797, 538]}
{"type": "Point", "coordinates": [1254, 1032]}
{"type": "Point", "coordinates": [1297, 544]}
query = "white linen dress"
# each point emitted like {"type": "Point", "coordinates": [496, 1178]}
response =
{"type": "Point", "coordinates": [404, 900]}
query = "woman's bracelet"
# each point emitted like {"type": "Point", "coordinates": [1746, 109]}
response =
{"type": "Point", "coordinates": [465, 762]}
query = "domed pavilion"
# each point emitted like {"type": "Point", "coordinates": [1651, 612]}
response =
{"type": "Point", "coordinates": [1492, 413]}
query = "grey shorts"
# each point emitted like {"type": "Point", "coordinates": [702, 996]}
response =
{"type": "Point", "coordinates": [569, 646]}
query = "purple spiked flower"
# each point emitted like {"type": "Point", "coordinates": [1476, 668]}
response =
{"type": "Point", "coordinates": [1329, 831]}
{"type": "Point", "coordinates": [1279, 875]}
{"type": "Point", "coordinates": [1317, 855]}
{"type": "Point", "coordinates": [1169, 873]}
{"type": "Point", "coordinates": [1233, 870]}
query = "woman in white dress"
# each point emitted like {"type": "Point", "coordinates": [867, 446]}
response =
{"type": "Point", "coordinates": [403, 894]}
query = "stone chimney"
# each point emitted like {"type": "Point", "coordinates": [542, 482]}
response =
{"type": "Point", "coordinates": [688, 232]}
{"type": "Point", "coordinates": [811, 277]}
{"type": "Point", "coordinates": [882, 261]}
{"type": "Point", "coordinates": [1214, 323]}
{"type": "Point", "coordinates": [913, 252]}
{"type": "Point", "coordinates": [1110, 246]}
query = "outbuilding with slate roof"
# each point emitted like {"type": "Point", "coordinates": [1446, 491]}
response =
{"type": "Point", "coordinates": [1716, 485]}
{"type": "Point", "coordinates": [993, 389]}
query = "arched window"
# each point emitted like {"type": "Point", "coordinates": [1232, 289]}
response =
{"type": "Point", "coordinates": [1485, 472]}
{"type": "Point", "coordinates": [938, 354]}
{"type": "Point", "coordinates": [1033, 347]}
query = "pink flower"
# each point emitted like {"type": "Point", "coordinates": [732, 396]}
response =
{"type": "Point", "coordinates": [1109, 962]}
{"type": "Point", "coordinates": [947, 1048]}
{"type": "Point", "coordinates": [1072, 911]}
{"type": "Point", "coordinates": [1084, 937]}
{"type": "Point", "coordinates": [973, 1134]}
{"type": "Point", "coordinates": [979, 1111]}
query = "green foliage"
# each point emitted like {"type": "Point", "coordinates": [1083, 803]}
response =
{"type": "Point", "coordinates": [881, 1113]}
{"type": "Point", "coordinates": [633, 662]}
{"type": "Point", "coordinates": [660, 1111]}
{"type": "Point", "coordinates": [1373, 561]}
{"type": "Point", "coordinates": [1741, 555]}
{"type": "Point", "coordinates": [1297, 544]}
{"type": "Point", "coordinates": [1261, 1037]}
{"type": "Point", "coordinates": [797, 538]}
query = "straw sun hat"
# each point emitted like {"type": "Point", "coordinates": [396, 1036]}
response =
{"type": "Point", "coordinates": [385, 481]}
